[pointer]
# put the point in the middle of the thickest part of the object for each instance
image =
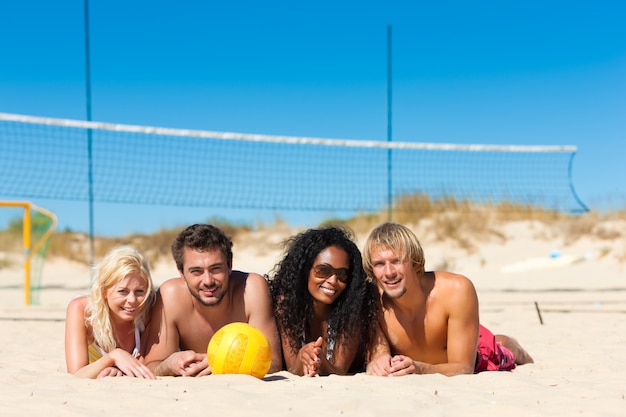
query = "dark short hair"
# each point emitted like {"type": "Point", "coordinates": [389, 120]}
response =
{"type": "Point", "coordinates": [201, 237]}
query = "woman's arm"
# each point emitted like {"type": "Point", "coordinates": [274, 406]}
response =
{"type": "Point", "coordinates": [77, 342]}
{"type": "Point", "coordinates": [306, 361]}
{"type": "Point", "coordinates": [76, 337]}
{"type": "Point", "coordinates": [379, 355]}
{"type": "Point", "coordinates": [344, 353]}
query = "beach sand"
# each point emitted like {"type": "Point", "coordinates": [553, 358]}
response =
{"type": "Point", "coordinates": [577, 290]}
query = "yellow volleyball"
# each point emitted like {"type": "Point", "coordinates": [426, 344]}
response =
{"type": "Point", "coordinates": [239, 348]}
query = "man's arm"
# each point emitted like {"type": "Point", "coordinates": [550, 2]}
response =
{"type": "Point", "coordinates": [162, 342]}
{"type": "Point", "coordinates": [461, 307]}
{"type": "Point", "coordinates": [463, 326]}
{"type": "Point", "coordinates": [258, 303]}
{"type": "Point", "coordinates": [156, 343]}
{"type": "Point", "coordinates": [462, 334]}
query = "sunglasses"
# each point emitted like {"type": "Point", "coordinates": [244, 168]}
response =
{"type": "Point", "coordinates": [327, 271]}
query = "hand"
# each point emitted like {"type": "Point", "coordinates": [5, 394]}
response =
{"type": "Point", "coordinates": [403, 365]}
{"type": "Point", "coordinates": [380, 365]}
{"type": "Point", "coordinates": [110, 371]}
{"type": "Point", "coordinates": [129, 365]}
{"type": "Point", "coordinates": [188, 363]}
{"type": "Point", "coordinates": [309, 357]}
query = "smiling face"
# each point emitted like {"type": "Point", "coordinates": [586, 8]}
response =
{"type": "Point", "coordinates": [125, 299]}
{"type": "Point", "coordinates": [207, 275]}
{"type": "Point", "coordinates": [392, 273]}
{"type": "Point", "coordinates": [326, 290]}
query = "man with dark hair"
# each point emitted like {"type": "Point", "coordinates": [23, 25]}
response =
{"type": "Point", "coordinates": [208, 295]}
{"type": "Point", "coordinates": [430, 318]}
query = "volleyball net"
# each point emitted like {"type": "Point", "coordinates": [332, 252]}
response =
{"type": "Point", "coordinates": [66, 159]}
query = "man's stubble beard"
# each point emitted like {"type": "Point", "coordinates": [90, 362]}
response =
{"type": "Point", "coordinates": [196, 294]}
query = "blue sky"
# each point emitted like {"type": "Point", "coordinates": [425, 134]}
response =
{"type": "Point", "coordinates": [491, 72]}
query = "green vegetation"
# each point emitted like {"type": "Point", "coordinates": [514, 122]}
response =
{"type": "Point", "coordinates": [76, 246]}
{"type": "Point", "coordinates": [466, 223]}
{"type": "Point", "coordinates": [460, 222]}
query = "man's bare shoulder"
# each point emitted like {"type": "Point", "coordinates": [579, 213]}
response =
{"type": "Point", "coordinates": [453, 283]}
{"type": "Point", "coordinates": [251, 284]}
{"type": "Point", "coordinates": [172, 284]}
{"type": "Point", "coordinates": [173, 288]}
{"type": "Point", "coordinates": [449, 276]}
{"type": "Point", "coordinates": [247, 279]}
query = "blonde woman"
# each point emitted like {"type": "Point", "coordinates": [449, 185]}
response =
{"type": "Point", "coordinates": [102, 330]}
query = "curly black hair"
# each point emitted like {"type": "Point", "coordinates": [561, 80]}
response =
{"type": "Point", "coordinates": [353, 314]}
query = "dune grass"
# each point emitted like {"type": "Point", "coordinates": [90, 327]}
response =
{"type": "Point", "coordinates": [466, 223]}
{"type": "Point", "coordinates": [460, 222]}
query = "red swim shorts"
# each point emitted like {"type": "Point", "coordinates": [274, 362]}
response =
{"type": "Point", "coordinates": [491, 355]}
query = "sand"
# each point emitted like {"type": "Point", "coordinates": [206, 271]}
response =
{"type": "Point", "coordinates": [578, 342]}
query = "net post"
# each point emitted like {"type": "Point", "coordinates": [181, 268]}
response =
{"type": "Point", "coordinates": [570, 166]}
{"type": "Point", "coordinates": [389, 150]}
{"type": "Point", "coordinates": [26, 228]}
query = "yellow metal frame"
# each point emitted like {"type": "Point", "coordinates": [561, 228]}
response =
{"type": "Point", "coordinates": [26, 232]}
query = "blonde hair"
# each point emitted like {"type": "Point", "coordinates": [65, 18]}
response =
{"type": "Point", "coordinates": [398, 238]}
{"type": "Point", "coordinates": [114, 267]}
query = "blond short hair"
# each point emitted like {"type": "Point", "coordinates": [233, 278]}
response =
{"type": "Point", "coordinates": [398, 238]}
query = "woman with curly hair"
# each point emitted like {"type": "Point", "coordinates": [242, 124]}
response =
{"type": "Point", "coordinates": [325, 308]}
{"type": "Point", "coordinates": [102, 330]}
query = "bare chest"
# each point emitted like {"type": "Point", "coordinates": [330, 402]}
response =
{"type": "Point", "coordinates": [420, 337]}
{"type": "Point", "coordinates": [196, 331]}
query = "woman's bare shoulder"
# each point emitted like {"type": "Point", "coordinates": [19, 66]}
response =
{"type": "Point", "coordinates": [77, 303]}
